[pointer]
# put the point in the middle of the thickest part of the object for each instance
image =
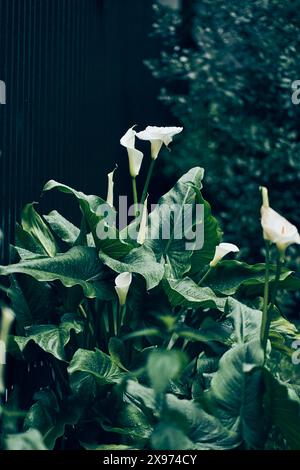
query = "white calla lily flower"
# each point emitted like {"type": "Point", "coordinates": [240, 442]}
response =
{"type": "Point", "coordinates": [222, 250]}
{"type": "Point", "coordinates": [110, 188]}
{"type": "Point", "coordinates": [158, 136]}
{"type": "Point", "coordinates": [135, 157]}
{"type": "Point", "coordinates": [122, 284]}
{"type": "Point", "coordinates": [143, 226]}
{"type": "Point", "coordinates": [276, 228]}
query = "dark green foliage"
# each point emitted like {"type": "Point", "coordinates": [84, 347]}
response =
{"type": "Point", "coordinates": [227, 76]}
{"type": "Point", "coordinates": [180, 366]}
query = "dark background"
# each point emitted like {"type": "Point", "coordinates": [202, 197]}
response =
{"type": "Point", "coordinates": [75, 81]}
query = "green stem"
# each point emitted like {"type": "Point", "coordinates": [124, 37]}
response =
{"type": "Point", "coordinates": [115, 319]}
{"type": "Point", "coordinates": [88, 320]}
{"type": "Point", "coordinates": [272, 303]}
{"type": "Point", "coordinates": [122, 313]}
{"type": "Point", "coordinates": [135, 196]}
{"type": "Point", "coordinates": [264, 324]}
{"type": "Point", "coordinates": [149, 175]}
{"type": "Point", "coordinates": [172, 341]}
{"type": "Point", "coordinates": [276, 282]}
{"type": "Point", "coordinates": [205, 276]}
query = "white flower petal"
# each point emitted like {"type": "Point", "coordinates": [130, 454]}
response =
{"type": "Point", "coordinates": [135, 161]}
{"type": "Point", "coordinates": [222, 250]}
{"type": "Point", "coordinates": [158, 136]}
{"type": "Point", "coordinates": [122, 284]}
{"type": "Point", "coordinates": [277, 229]}
{"type": "Point", "coordinates": [143, 226]}
{"type": "Point", "coordinates": [135, 156]}
{"type": "Point", "coordinates": [110, 188]}
{"type": "Point", "coordinates": [128, 139]}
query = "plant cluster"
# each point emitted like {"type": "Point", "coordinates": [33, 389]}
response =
{"type": "Point", "coordinates": [227, 71]}
{"type": "Point", "coordinates": [125, 343]}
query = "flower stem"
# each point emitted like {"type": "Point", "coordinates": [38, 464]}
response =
{"type": "Point", "coordinates": [121, 316]}
{"type": "Point", "coordinates": [135, 196]}
{"type": "Point", "coordinates": [172, 341]}
{"type": "Point", "coordinates": [264, 333]}
{"type": "Point", "coordinates": [149, 174]}
{"type": "Point", "coordinates": [276, 283]}
{"type": "Point", "coordinates": [272, 303]}
{"type": "Point", "coordinates": [205, 276]}
{"type": "Point", "coordinates": [89, 321]}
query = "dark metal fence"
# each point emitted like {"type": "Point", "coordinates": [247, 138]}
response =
{"type": "Point", "coordinates": [75, 80]}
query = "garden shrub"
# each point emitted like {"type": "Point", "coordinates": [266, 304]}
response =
{"type": "Point", "coordinates": [227, 70]}
{"type": "Point", "coordinates": [121, 343]}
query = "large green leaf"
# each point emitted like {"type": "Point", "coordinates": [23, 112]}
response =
{"type": "Point", "coordinates": [141, 261]}
{"type": "Point", "coordinates": [50, 417]}
{"type": "Point", "coordinates": [170, 249]}
{"type": "Point", "coordinates": [236, 393]}
{"type": "Point", "coordinates": [187, 293]}
{"type": "Point", "coordinates": [283, 333]}
{"type": "Point", "coordinates": [283, 406]}
{"type": "Point", "coordinates": [97, 365]}
{"type": "Point", "coordinates": [212, 237]}
{"type": "Point", "coordinates": [62, 227]}
{"type": "Point", "coordinates": [65, 230]}
{"type": "Point", "coordinates": [33, 224]}
{"type": "Point", "coordinates": [208, 331]}
{"type": "Point", "coordinates": [90, 206]}
{"type": "Point", "coordinates": [246, 321]}
{"type": "Point", "coordinates": [29, 440]}
{"type": "Point", "coordinates": [201, 430]}
{"type": "Point", "coordinates": [32, 301]}
{"type": "Point", "coordinates": [51, 338]}
{"type": "Point", "coordinates": [79, 266]}
{"type": "Point", "coordinates": [228, 276]}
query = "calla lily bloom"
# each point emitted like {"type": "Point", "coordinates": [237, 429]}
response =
{"type": "Point", "coordinates": [143, 226]}
{"type": "Point", "coordinates": [110, 188]}
{"type": "Point", "coordinates": [158, 136]}
{"type": "Point", "coordinates": [276, 228]}
{"type": "Point", "coordinates": [135, 157]}
{"type": "Point", "coordinates": [122, 284]}
{"type": "Point", "coordinates": [222, 250]}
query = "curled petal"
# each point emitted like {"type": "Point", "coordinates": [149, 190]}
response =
{"type": "Point", "coordinates": [277, 229]}
{"type": "Point", "coordinates": [143, 226]}
{"type": "Point", "coordinates": [122, 284]}
{"type": "Point", "coordinates": [158, 136]}
{"type": "Point", "coordinates": [135, 157]}
{"type": "Point", "coordinates": [222, 250]}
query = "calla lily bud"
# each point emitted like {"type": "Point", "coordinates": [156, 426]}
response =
{"type": "Point", "coordinates": [122, 284]}
{"type": "Point", "coordinates": [143, 226]}
{"type": "Point", "coordinates": [158, 136]}
{"type": "Point", "coordinates": [222, 250]}
{"type": "Point", "coordinates": [265, 196]}
{"type": "Point", "coordinates": [7, 320]}
{"type": "Point", "coordinates": [135, 157]}
{"type": "Point", "coordinates": [277, 229]}
{"type": "Point", "coordinates": [110, 188]}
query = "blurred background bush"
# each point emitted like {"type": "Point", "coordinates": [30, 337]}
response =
{"type": "Point", "coordinates": [226, 70]}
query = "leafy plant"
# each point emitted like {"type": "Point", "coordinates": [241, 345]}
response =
{"type": "Point", "coordinates": [127, 345]}
{"type": "Point", "coordinates": [226, 71]}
